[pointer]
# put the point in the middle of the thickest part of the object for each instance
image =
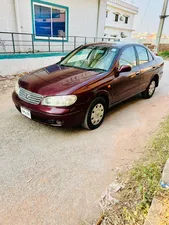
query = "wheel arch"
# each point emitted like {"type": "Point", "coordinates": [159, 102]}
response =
{"type": "Point", "coordinates": [105, 96]}
{"type": "Point", "coordinates": [156, 78]}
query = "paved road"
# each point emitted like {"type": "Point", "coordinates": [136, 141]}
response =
{"type": "Point", "coordinates": [53, 176]}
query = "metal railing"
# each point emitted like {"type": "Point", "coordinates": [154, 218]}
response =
{"type": "Point", "coordinates": [12, 43]}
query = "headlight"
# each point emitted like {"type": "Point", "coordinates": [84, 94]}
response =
{"type": "Point", "coordinates": [17, 88]}
{"type": "Point", "coordinates": [59, 101]}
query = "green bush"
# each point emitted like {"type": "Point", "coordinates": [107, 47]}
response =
{"type": "Point", "coordinates": [164, 54]}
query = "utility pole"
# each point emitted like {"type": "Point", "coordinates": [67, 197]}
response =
{"type": "Point", "coordinates": [161, 25]}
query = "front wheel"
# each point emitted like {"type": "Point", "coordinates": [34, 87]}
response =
{"type": "Point", "coordinates": [95, 114]}
{"type": "Point", "coordinates": [148, 93]}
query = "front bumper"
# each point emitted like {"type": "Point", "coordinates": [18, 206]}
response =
{"type": "Point", "coordinates": [66, 117]}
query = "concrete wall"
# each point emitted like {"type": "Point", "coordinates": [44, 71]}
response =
{"type": "Point", "coordinates": [164, 47]}
{"type": "Point", "coordinates": [17, 66]}
{"type": "Point", "coordinates": [7, 16]}
{"type": "Point", "coordinates": [101, 17]}
{"type": "Point", "coordinates": [77, 16]}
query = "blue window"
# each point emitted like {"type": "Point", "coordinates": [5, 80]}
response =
{"type": "Point", "coordinates": [50, 20]}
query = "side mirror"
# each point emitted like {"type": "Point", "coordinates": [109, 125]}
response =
{"type": "Point", "coordinates": [123, 69]}
{"type": "Point", "coordinates": [62, 58]}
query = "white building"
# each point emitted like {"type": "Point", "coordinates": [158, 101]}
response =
{"type": "Point", "coordinates": [119, 19]}
{"type": "Point", "coordinates": [57, 20]}
{"type": "Point", "coordinates": [73, 17]}
{"type": "Point", "coordinates": [46, 30]}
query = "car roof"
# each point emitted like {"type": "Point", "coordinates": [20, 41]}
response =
{"type": "Point", "coordinates": [119, 44]}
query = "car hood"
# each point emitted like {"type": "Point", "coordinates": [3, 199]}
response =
{"type": "Point", "coordinates": [56, 79]}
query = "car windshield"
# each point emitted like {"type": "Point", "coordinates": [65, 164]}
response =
{"type": "Point", "coordinates": [91, 58]}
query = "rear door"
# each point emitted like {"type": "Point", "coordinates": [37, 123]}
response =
{"type": "Point", "coordinates": [127, 83]}
{"type": "Point", "coordinates": [147, 66]}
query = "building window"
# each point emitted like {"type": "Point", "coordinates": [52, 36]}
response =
{"type": "Point", "coordinates": [50, 21]}
{"type": "Point", "coordinates": [123, 35]}
{"type": "Point", "coordinates": [107, 13]}
{"type": "Point", "coordinates": [116, 17]}
{"type": "Point", "coordinates": [126, 19]}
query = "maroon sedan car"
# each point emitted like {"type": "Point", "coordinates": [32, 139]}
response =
{"type": "Point", "coordinates": [83, 85]}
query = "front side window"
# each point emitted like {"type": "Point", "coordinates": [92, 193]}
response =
{"type": "Point", "coordinates": [128, 57]}
{"type": "Point", "coordinates": [50, 21]}
{"type": "Point", "coordinates": [142, 54]}
{"type": "Point", "coordinates": [91, 58]}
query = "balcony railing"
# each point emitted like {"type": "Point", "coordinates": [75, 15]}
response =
{"type": "Point", "coordinates": [12, 43]}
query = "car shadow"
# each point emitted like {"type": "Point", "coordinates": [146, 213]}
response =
{"type": "Point", "coordinates": [124, 104]}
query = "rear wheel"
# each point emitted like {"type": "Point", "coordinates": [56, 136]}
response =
{"type": "Point", "coordinates": [148, 93]}
{"type": "Point", "coordinates": [95, 114]}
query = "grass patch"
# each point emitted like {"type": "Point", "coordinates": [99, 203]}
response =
{"type": "Point", "coordinates": [164, 54]}
{"type": "Point", "coordinates": [142, 182]}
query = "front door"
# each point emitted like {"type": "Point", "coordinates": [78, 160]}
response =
{"type": "Point", "coordinates": [127, 83]}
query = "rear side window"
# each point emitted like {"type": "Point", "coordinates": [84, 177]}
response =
{"type": "Point", "coordinates": [150, 56]}
{"type": "Point", "coordinates": [142, 54]}
{"type": "Point", "coordinates": [128, 57]}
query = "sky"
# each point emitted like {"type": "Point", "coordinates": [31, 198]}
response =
{"type": "Point", "coordinates": [147, 19]}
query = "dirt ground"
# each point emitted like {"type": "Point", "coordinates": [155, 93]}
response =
{"type": "Point", "coordinates": [56, 176]}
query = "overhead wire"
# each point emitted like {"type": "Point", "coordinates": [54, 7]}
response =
{"type": "Point", "coordinates": [145, 12]}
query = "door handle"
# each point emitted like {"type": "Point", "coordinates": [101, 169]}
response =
{"type": "Point", "coordinates": [134, 74]}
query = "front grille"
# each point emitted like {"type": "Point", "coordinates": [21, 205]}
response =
{"type": "Point", "coordinates": [29, 96]}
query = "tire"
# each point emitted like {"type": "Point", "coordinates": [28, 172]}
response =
{"type": "Point", "coordinates": [149, 92]}
{"type": "Point", "coordinates": [95, 114]}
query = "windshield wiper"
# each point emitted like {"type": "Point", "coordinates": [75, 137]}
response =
{"type": "Point", "coordinates": [98, 69]}
{"type": "Point", "coordinates": [64, 65]}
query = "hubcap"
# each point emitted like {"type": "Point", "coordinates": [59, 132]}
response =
{"type": "Point", "coordinates": [97, 114]}
{"type": "Point", "coordinates": [152, 87]}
